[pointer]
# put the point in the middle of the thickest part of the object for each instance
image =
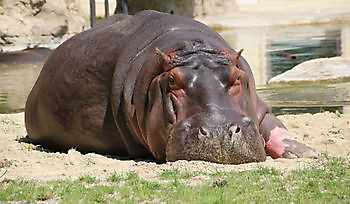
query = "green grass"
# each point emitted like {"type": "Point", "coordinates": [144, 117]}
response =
{"type": "Point", "coordinates": [1, 2]}
{"type": "Point", "coordinates": [6, 121]}
{"type": "Point", "coordinates": [176, 174]}
{"type": "Point", "coordinates": [338, 114]}
{"type": "Point", "coordinates": [5, 163]}
{"type": "Point", "coordinates": [327, 181]}
{"type": "Point", "coordinates": [88, 179]}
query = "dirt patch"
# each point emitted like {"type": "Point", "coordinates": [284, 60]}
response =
{"type": "Point", "coordinates": [325, 132]}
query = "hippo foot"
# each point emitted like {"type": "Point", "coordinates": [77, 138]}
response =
{"type": "Point", "coordinates": [295, 149]}
{"type": "Point", "coordinates": [282, 145]}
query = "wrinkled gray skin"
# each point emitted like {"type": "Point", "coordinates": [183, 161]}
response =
{"type": "Point", "coordinates": [149, 85]}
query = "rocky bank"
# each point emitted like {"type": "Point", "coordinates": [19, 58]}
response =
{"type": "Point", "coordinates": [329, 70]}
{"type": "Point", "coordinates": [30, 23]}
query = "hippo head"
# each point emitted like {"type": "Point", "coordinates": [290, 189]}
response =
{"type": "Point", "coordinates": [207, 106]}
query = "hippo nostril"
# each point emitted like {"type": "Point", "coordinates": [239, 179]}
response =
{"type": "Point", "coordinates": [203, 131]}
{"type": "Point", "coordinates": [234, 129]}
{"type": "Point", "coordinates": [238, 129]}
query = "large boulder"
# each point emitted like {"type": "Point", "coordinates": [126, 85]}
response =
{"type": "Point", "coordinates": [27, 23]}
{"type": "Point", "coordinates": [328, 70]}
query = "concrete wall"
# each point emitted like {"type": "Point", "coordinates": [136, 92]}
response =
{"type": "Point", "coordinates": [345, 41]}
{"type": "Point", "coordinates": [100, 6]}
{"type": "Point", "coordinates": [189, 8]}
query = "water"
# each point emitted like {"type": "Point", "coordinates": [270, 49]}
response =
{"type": "Point", "coordinates": [283, 55]}
{"type": "Point", "coordinates": [269, 51]}
{"type": "Point", "coordinates": [16, 81]}
{"type": "Point", "coordinates": [308, 99]}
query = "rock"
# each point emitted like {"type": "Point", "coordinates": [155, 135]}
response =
{"type": "Point", "coordinates": [60, 30]}
{"type": "Point", "coordinates": [322, 70]}
{"type": "Point", "coordinates": [30, 23]}
{"type": "Point", "coordinates": [2, 11]}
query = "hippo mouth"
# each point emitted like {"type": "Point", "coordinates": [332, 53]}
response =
{"type": "Point", "coordinates": [227, 144]}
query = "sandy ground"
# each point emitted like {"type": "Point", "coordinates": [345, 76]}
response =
{"type": "Point", "coordinates": [325, 132]}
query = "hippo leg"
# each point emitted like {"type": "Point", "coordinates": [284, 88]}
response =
{"type": "Point", "coordinates": [279, 143]}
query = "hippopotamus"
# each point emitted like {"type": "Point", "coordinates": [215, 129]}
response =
{"type": "Point", "coordinates": [154, 85]}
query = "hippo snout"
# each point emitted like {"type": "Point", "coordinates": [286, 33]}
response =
{"type": "Point", "coordinates": [231, 143]}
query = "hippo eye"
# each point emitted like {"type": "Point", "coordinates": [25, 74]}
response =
{"type": "Point", "coordinates": [171, 80]}
{"type": "Point", "coordinates": [238, 78]}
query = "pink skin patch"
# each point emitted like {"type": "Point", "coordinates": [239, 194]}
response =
{"type": "Point", "coordinates": [275, 145]}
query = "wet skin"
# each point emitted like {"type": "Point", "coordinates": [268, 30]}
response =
{"type": "Point", "coordinates": [154, 85]}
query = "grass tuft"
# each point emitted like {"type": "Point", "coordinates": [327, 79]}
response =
{"type": "Point", "coordinates": [88, 179]}
{"type": "Point", "coordinates": [5, 163]}
{"type": "Point", "coordinates": [170, 174]}
{"type": "Point", "coordinates": [114, 178]}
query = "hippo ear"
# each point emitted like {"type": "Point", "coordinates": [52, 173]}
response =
{"type": "Point", "coordinates": [165, 57]}
{"type": "Point", "coordinates": [237, 55]}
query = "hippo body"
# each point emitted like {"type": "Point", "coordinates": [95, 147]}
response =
{"type": "Point", "coordinates": [154, 85]}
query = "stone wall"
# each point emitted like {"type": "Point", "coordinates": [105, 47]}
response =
{"type": "Point", "coordinates": [189, 8]}
{"type": "Point", "coordinates": [27, 23]}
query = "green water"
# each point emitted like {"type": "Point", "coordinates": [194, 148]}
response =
{"type": "Point", "coordinates": [307, 99]}
{"type": "Point", "coordinates": [16, 81]}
